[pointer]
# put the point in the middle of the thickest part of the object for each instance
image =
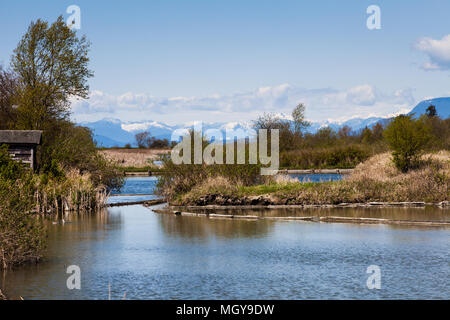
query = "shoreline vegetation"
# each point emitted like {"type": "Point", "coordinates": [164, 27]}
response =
{"type": "Point", "coordinates": [409, 162]}
{"type": "Point", "coordinates": [48, 68]}
{"type": "Point", "coordinates": [375, 180]}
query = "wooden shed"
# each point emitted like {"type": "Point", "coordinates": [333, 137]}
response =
{"type": "Point", "coordinates": [22, 144]}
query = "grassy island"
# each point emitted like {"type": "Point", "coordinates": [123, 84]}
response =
{"type": "Point", "coordinates": [375, 180]}
{"type": "Point", "coordinates": [412, 164]}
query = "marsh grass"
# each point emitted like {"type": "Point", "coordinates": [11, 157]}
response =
{"type": "Point", "coordinates": [22, 233]}
{"type": "Point", "coordinates": [74, 192]}
{"type": "Point", "coordinates": [377, 179]}
{"type": "Point", "coordinates": [134, 158]}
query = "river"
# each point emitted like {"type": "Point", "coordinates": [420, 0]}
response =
{"type": "Point", "coordinates": [135, 253]}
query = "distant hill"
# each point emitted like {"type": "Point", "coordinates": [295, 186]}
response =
{"type": "Point", "coordinates": [442, 107]}
{"type": "Point", "coordinates": [355, 123]}
{"type": "Point", "coordinates": [115, 133]}
{"type": "Point", "coordinates": [106, 142]}
{"type": "Point", "coordinates": [109, 133]}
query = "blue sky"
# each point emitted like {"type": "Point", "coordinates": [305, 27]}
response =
{"type": "Point", "coordinates": [178, 61]}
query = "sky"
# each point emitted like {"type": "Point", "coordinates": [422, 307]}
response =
{"type": "Point", "coordinates": [211, 60]}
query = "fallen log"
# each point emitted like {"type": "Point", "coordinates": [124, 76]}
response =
{"type": "Point", "coordinates": [146, 203]}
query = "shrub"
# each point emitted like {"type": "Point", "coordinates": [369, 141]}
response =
{"type": "Point", "coordinates": [407, 138]}
{"type": "Point", "coordinates": [9, 170]}
{"type": "Point", "coordinates": [22, 235]}
{"type": "Point", "coordinates": [325, 157]}
{"type": "Point", "coordinates": [376, 179]}
{"type": "Point", "coordinates": [179, 179]}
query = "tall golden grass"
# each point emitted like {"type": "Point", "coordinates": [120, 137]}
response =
{"type": "Point", "coordinates": [76, 192]}
{"type": "Point", "coordinates": [138, 158]}
{"type": "Point", "coordinates": [378, 178]}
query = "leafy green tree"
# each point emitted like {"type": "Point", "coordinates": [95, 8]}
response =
{"type": "Point", "coordinates": [298, 115]}
{"type": "Point", "coordinates": [51, 64]}
{"type": "Point", "coordinates": [407, 138]}
{"type": "Point", "coordinates": [431, 111]}
{"type": "Point", "coordinates": [366, 135]}
{"type": "Point", "coordinates": [377, 132]}
{"type": "Point", "coordinates": [325, 137]}
{"type": "Point", "coordinates": [440, 130]}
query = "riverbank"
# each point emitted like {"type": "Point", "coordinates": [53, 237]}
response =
{"type": "Point", "coordinates": [374, 181]}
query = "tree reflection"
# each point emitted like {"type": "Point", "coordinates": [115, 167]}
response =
{"type": "Point", "coordinates": [205, 228]}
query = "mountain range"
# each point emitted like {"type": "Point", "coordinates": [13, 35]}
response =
{"type": "Point", "coordinates": [110, 132]}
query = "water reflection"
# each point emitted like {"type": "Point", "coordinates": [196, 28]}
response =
{"type": "Point", "coordinates": [162, 256]}
{"type": "Point", "coordinates": [394, 213]}
{"type": "Point", "coordinates": [206, 228]}
{"type": "Point", "coordinates": [137, 185]}
{"type": "Point", "coordinates": [317, 177]}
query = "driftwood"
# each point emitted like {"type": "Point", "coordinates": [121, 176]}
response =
{"type": "Point", "coordinates": [146, 203]}
{"type": "Point", "coordinates": [309, 218]}
{"type": "Point", "coordinates": [414, 204]}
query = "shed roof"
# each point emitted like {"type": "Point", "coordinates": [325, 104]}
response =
{"type": "Point", "coordinates": [20, 136]}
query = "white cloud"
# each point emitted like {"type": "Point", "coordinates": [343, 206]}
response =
{"type": "Point", "coordinates": [361, 95]}
{"type": "Point", "coordinates": [438, 52]}
{"type": "Point", "coordinates": [325, 103]}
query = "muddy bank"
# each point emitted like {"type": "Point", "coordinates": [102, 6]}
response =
{"type": "Point", "coordinates": [220, 200]}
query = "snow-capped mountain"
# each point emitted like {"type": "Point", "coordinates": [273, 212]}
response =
{"type": "Point", "coordinates": [113, 132]}
{"type": "Point", "coordinates": [442, 107]}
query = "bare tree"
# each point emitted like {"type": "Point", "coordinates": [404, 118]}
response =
{"type": "Point", "coordinates": [8, 92]}
{"type": "Point", "coordinates": [143, 139]}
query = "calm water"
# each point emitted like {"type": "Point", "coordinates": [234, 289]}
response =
{"type": "Point", "coordinates": [317, 177]}
{"type": "Point", "coordinates": [138, 185]}
{"type": "Point", "coordinates": [135, 189]}
{"type": "Point", "coordinates": [158, 256]}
